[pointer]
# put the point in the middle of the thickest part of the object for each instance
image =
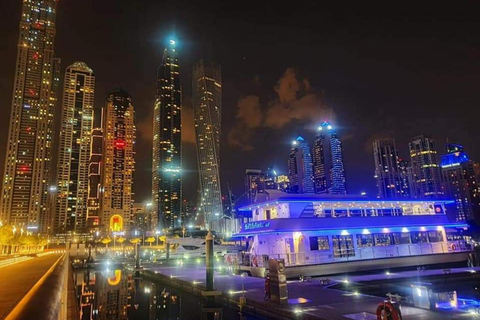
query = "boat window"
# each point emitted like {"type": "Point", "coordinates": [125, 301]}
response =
{"type": "Point", "coordinates": [435, 236]}
{"type": "Point", "coordinates": [419, 237]}
{"type": "Point", "coordinates": [364, 240]}
{"type": "Point", "coordinates": [355, 212]}
{"type": "Point", "coordinates": [319, 243]}
{"type": "Point", "coordinates": [402, 238]}
{"type": "Point", "coordinates": [383, 239]}
{"type": "Point", "coordinates": [343, 246]}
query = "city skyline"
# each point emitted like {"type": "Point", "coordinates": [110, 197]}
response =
{"type": "Point", "coordinates": [362, 180]}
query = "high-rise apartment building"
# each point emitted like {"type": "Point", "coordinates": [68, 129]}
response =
{"type": "Point", "coordinates": [27, 174]}
{"type": "Point", "coordinates": [254, 184]}
{"type": "Point", "coordinates": [167, 143]}
{"type": "Point", "coordinates": [425, 164]}
{"type": "Point", "coordinates": [328, 167]}
{"type": "Point", "coordinates": [461, 183]}
{"type": "Point", "coordinates": [387, 171]}
{"type": "Point", "coordinates": [118, 163]}
{"type": "Point", "coordinates": [74, 150]}
{"type": "Point", "coordinates": [300, 169]}
{"type": "Point", "coordinates": [405, 177]}
{"type": "Point", "coordinates": [95, 178]}
{"type": "Point", "coordinates": [207, 107]}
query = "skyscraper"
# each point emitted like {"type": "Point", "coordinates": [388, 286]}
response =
{"type": "Point", "coordinates": [329, 171]}
{"type": "Point", "coordinates": [27, 172]}
{"type": "Point", "coordinates": [95, 178]}
{"type": "Point", "coordinates": [387, 171]}
{"type": "Point", "coordinates": [74, 151]}
{"type": "Point", "coordinates": [118, 161]}
{"type": "Point", "coordinates": [167, 143]}
{"type": "Point", "coordinates": [300, 169]}
{"type": "Point", "coordinates": [254, 184]}
{"type": "Point", "coordinates": [426, 172]}
{"type": "Point", "coordinates": [405, 177]}
{"type": "Point", "coordinates": [461, 183]}
{"type": "Point", "coordinates": [207, 106]}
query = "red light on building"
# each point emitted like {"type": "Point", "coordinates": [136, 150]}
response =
{"type": "Point", "coordinates": [119, 143]}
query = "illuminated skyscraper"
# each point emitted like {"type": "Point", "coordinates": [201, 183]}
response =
{"type": "Point", "coordinates": [329, 172]}
{"type": "Point", "coordinates": [207, 106]}
{"type": "Point", "coordinates": [167, 143]}
{"type": "Point", "coordinates": [426, 172]}
{"type": "Point", "coordinates": [300, 170]}
{"type": "Point", "coordinates": [461, 183]}
{"type": "Point", "coordinates": [118, 162]}
{"type": "Point", "coordinates": [387, 171]}
{"type": "Point", "coordinates": [27, 172]}
{"type": "Point", "coordinates": [74, 151]}
{"type": "Point", "coordinates": [95, 178]}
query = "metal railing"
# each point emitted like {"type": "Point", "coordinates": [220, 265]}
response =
{"type": "Point", "coordinates": [365, 253]}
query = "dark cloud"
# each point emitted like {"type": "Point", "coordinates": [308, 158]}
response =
{"type": "Point", "coordinates": [295, 100]}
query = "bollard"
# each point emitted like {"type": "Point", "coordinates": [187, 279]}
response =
{"type": "Point", "coordinates": [209, 260]}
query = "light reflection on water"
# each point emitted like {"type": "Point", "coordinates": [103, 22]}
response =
{"type": "Point", "coordinates": [115, 294]}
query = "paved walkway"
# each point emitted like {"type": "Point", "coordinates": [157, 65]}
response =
{"type": "Point", "coordinates": [16, 280]}
{"type": "Point", "coordinates": [307, 297]}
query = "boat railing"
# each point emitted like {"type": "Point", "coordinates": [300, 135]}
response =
{"type": "Point", "coordinates": [373, 252]}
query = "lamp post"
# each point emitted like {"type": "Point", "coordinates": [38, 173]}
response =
{"type": "Point", "coordinates": [158, 235]}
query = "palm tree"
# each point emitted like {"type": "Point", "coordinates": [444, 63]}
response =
{"type": "Point", "coordinates": [106, 241]}
{"type": "Point", "coordinates": [150, 240]}
{"type": "Point", "coordinates": [134, 241]}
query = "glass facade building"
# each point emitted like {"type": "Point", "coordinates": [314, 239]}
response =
{"type": "Point", "coordinates": [207, 107]}
{"type": "Point", "coordinates": [461, 183]}
{"type": "Point", "coordinates": [300, 169]}
{"type": "Point", "coordinates": [167, 144]}
{"type": "Point", "coordinates": [426, 173]}
{"type": "Point", "coordinates": [387, 170]}
{"type": "Point", "coordinates": [328, 167]}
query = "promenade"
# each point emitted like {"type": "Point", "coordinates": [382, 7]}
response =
{"type": "Point", "coordinates": [308, 300]}
{"type": "Point", "coordinates": [17, 279]}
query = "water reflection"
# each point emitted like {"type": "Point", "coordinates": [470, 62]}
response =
{"type": "Point", "coordinates": [115, 294]}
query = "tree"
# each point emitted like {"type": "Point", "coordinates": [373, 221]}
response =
{"type": "Point", "coordinates": [6, 234]}
{"type": "Point", "coordinates": [135, 240]}
{"type": "Point", "coordinates": [150, 240]}
{"type": "Point", "coordinates": [106, 241]}
{"type": "Point", "coordinates": [121, 240]}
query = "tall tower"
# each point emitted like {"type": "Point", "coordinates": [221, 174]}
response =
{"type": "Point", "coordinates": [300, 168]}
{"type": "Point", "coordinates": [27, 172]}
{"type": "Point", "coordinates": [461, 183]}
{"type": "Point", "coordinates": [426, 172]}
{"type": "Point", "coordinates": [167, 143]}
{"type": "Point", "coordinates": [329, 171]}
{"type": "Point", "coordinates": [387, 171]}
{"type": "Point", "coordinates": [207, 106]}
{"type": "Point", "coordinates": [118, 161]}
{"type": "Point", "coordinates": [95, 178]}
{"type": "Point", "coordinates": [74, 151]}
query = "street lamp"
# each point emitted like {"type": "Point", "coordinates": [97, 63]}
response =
{"type": "Point", "coordinates": [158, 235]}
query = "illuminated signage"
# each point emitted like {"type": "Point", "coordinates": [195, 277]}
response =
{"type": "Point", "coordinates": [119, 143]}
{"type": "Point", "coordinates": [256, 225]}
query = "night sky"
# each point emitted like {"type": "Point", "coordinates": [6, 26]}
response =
{"type": "Point", "coordinates": [384, 70]}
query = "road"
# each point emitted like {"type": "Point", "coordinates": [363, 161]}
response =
{"type": "Point", "coordinates": [16, 280]}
